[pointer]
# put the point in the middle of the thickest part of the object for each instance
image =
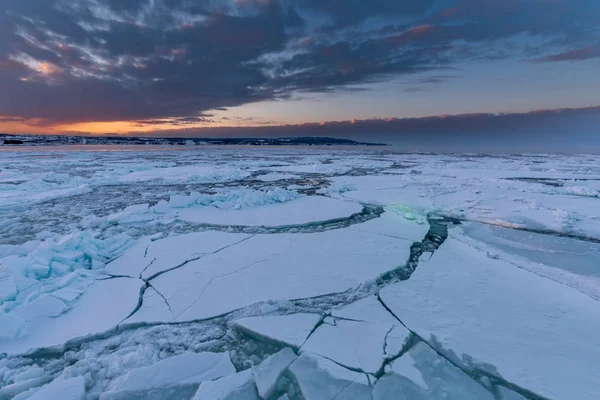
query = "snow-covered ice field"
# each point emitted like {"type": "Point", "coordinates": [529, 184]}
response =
{"type": "Point", "coordinates": [290, 273]}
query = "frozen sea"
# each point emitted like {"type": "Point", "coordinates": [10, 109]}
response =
{"type": "Point", "coordinates": [298, 273]}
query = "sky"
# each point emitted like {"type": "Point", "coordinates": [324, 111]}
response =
{"type": "Point", "coordinates": [361, 68]}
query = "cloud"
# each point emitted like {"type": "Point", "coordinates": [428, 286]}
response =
{"type": "Point", "coordinates": [176, 121]}
{"type": "Point", "coordinates": [137, 60]}
{"type": "Point", "coordinates": [12, 119]}
{"type": "Point", "coordinates": [584, 53]}
{"type": "Point", "coordinates": [558, 130]}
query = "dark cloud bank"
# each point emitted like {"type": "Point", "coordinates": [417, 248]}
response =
{"type": "Point", "coordinates": [67, 61]}
{"type": "Point", "coordinates": [557, 131]}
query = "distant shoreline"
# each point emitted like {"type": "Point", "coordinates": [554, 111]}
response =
{"type": "Point", "coordinates": [48, 140]}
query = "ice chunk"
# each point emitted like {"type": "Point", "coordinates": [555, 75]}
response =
{"type": "Point", "coordinates": [473, 308]}
{"type": "Point", "coordinates": [197, 174]}
{"type": "Point", "coordinates": [275, 176]}
{"type": "Point", "coordinates": [59, 389]}
{"type": "Point", "coordinates": [421, 374]}
{"type": "Point", "coordinates": [290, 329]}
{"type": "Point", "coordinates": [357, 345]}
{"type": "Point", "coordinates": [8, 289]}
{"type": "Point", "coordinates": [174, 375]}
{"type": "Point", "coordinates": [314, 168]}
{"type": "Point", "coordinates": [304, 210]}
{"type": "Point", "coordinates": [100, 309]}
{"type": "Point", "coordinates": [572, 255]}
{"type": "Point", "coordinates": [235, 200]}
{"type": "Point", "coordinates": [405, 366]}
{"type": "Point", "coordinates": [268, 372]}
{"type": "Point", "coordinates": [321, 379]}
{"type": "Point", "coordinates": [233, 387]}
{"type": "Point", "coordinates": [23, 384]}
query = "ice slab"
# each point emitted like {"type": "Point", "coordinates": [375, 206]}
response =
{"type": "Point", "coordinates": [282, 267]}
{"type": "Point", "coordinates": [160, 255]}
{"type": "Point", "coordinates": [239, 386]}
{"type": "Point", "coordinates": [321, 379]}
{"type": "Point", "coordinates": [474, 308]}
{"type": "Point", "coordinates": [67, 389]}
{"type": "Point", "coordinates": [175, 377]}
{"type": "Point", "coordinates": [197, 174]}
{"type": "Point", "coordinates": [290, 329]}
{"type": "Point", "coordinates": [314, 168]}
{"type": "Point", "coordinates": [100, 309]}
{"type": "Point", "coordinates": [304, 210]}
{"type": "Point", "coordinates": [268, 372]}
{"type": "Point", "coordinates": [274, 176]}
{"type": "Point", "coordinates": [576, 256]}
{"type": "Point", "coordinates": [24, 386]}
{"type": "Point", "coordinates": [421, 374]}
{"type": "Point", "coordinates": [358, 345]}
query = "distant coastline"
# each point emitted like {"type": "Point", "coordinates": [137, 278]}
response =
{"type": "Point", "coordinates": [57, 140]}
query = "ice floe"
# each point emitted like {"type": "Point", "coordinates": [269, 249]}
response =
{"type": "Point", "coordinates": [488, 314]}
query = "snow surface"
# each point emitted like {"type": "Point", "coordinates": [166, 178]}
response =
{"type": "Point", "coordinates": [114, 262]}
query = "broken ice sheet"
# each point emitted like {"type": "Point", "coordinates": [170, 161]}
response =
{"type": "Point", "coordinates": [303, 265]}
{"type": "Point", "coordinates": [217, 187]}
